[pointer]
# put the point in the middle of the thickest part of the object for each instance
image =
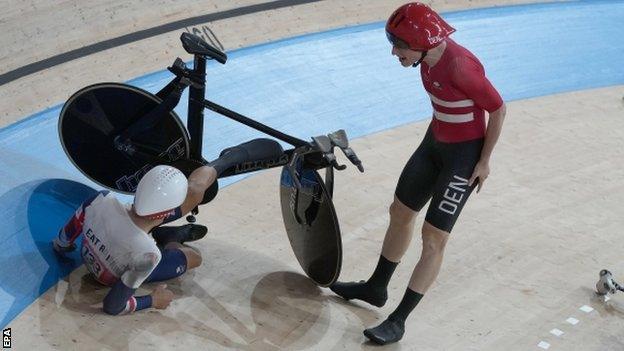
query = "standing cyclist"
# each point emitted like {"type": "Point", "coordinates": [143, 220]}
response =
{"type": "Point", "coordinates": [450, 162]}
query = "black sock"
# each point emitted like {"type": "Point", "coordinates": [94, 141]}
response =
{"type": "Point", "coordinates": [383, 272]}
{"type": "Point", "coordinates": [392, 329]}
{"type": "Point", "coordinates": [409, 301]}
{"type": "Point", "coordinates": [373, 291]}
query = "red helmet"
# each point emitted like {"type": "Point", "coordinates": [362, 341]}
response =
{"type": "Point", "coordinates": [416, 26]}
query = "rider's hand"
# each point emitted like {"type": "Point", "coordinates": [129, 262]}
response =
{"type": "Point", "coordinates": [480, 173]}
{"type": "Point", "coordinates": [161, 297]}
{"type": "Point", "coordinates": [62, 248]}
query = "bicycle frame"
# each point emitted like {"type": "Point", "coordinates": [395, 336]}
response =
{"type": "Point", "coordinates": [319, 153]}
{"type": "Point", "coordinates": [308, 212]}
{"type": "Point", "coordinates": [195, 125]}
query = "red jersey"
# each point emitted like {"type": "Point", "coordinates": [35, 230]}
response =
{"type": "Point", "coordinates": [460, 94]}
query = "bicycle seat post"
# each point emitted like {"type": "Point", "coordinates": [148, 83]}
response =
{"type": "Point", "coordinates": [195, 120]}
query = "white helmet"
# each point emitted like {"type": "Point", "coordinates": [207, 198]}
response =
{"type": "Point", "coordinates": [160, 190]}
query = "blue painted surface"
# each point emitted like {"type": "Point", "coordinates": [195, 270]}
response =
{"type": "Point", "coordinates": [307, 86]}
{"type": "Point", "coordinates": [31, 214]}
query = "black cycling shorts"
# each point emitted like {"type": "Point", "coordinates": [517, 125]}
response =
{"type": "Point", "coordinates": [440, 172]}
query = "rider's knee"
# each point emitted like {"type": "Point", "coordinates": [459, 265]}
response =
{"type": "Point", "coordinates": [434, 239]}
{"type": "Point", "coordinates": [193, 258]}
{"type": "Point", "coordinates": [400, 213]}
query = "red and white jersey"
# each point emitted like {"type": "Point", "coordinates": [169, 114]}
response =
{"type": "Point", "coordinates": [460, 93]}
{"type": "Point", "coordinates": [113, 247]}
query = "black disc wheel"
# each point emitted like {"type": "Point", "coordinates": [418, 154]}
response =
{"type": "Point", "coordinates": [92, 118]}
{"type": "Point", "coordinates": [312, 225]}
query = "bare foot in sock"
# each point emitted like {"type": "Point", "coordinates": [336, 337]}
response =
{"type": "Point", "coordinates": [361, 290]}
{"type": "Point", "coordinates": [389, 331]}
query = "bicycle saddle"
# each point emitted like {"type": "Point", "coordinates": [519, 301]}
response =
{"type": "Point", "coordinates": [197, 46]}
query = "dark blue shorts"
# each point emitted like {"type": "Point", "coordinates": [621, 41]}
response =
{"type": "Point", "coordinates": [172, 264]}
{"type": "Point", "coordinates": [440, 172]}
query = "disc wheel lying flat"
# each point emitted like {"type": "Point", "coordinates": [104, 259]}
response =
{"type": "Point", "coordinates": [312, 226]}
{"type": "Point", "coordinates": [95, 115]}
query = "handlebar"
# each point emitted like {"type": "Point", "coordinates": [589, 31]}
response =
{"type": "Point", "coordinates": [324, 144]}
{"type": "Point", "coordinates": [339, 138]}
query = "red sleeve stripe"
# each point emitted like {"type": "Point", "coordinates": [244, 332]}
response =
{"type": "Point", "coordinates": [73, 228]}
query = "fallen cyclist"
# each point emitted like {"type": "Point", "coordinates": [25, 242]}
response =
{"type": "Point", "coordinates": [124, 246]}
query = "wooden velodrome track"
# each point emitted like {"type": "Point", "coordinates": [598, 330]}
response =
{"type": "Point", "coordinates": [522, 260]}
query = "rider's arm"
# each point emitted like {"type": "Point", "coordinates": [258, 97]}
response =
{"type": "Point", "coordinates": [494, 128]}
{"type": "Point", "coordinates": [202, 178]}
{"type": "Point", "coordinates": [469, 77]}
{"type": "Point", "coordinates": [120, 299]}
{"type": "Point", "coordinates": [198, 182]}
{"type": "Point", "coordinates": [64, 242]}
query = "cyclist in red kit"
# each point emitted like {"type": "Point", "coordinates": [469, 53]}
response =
{"type": "Point", "coordinates": [450, 162]}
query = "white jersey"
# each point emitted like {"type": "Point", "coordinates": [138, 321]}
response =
{"type": "Point", "coordinates": [113, 247]}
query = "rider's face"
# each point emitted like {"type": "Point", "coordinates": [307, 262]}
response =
{"type": "Point", "coordinates": [407, 57]}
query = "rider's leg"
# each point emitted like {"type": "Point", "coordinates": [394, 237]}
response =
{"type": "Point", "coordinates": [254, 150]}
{"type": "Point", "coordinates": [396, 242]}
{"type": "Point", "coordinates": [424, 274]}
{"type": "Point", "coordinates": [175, 260]}
{"type": "Point", "coordinates": [412, 193]}
{"type": "Point", "coordinates": [399, 232]}
{"type": "Point", "coordinates": [450, 194]}
{"type": "Point", "coordinates": [434, 242]}
{"type": "Point", "coordinates": [193, 256]}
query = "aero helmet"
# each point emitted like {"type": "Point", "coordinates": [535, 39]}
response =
{"type": "Point", "coordinates": [161, 190]}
